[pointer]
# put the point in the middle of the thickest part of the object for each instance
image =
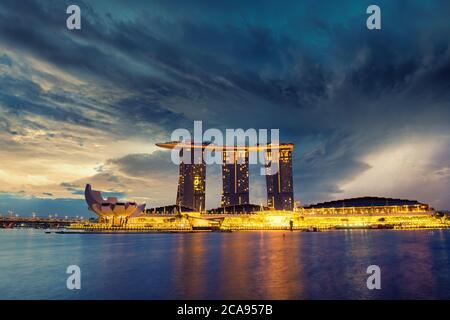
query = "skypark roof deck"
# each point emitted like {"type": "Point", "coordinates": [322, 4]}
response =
{"type": "Point", "coordinates": [207, 145]}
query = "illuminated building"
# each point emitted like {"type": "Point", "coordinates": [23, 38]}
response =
{"type": "Point", "coordinates": [359, 213]}
{"type": "Point", "coordinates": [402, 217]}
{"type": "Point", "coordinates": [171, 209]}
{"type": "Point", "coordinates": [280, 190]}
{"type": "Point", "coordinates": [235, 174]}
{"type": "Point", "coordinates": [369, 202]}
{"type": "Point", "coordinates": [192, 181]}
{"type": "Point", "coordinates": [237, 214]}
{"type": "Point", "coordinates": [110, 209]}
{"type": "Point", "coordinates": [235, 190]}
{"type": "Point", "coordinates": [238, 209]}
{"type": "Point", "coordinates": [192, 175]}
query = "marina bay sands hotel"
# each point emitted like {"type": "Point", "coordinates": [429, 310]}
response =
{"type": "Point", "coordinates": [235, 175]}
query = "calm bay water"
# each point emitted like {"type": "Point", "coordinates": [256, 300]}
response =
{"type": "Point", "coordinates": [239, 265]}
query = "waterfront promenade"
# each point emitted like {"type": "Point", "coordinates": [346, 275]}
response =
{"type": "Point", "coordinates": [273, 220]}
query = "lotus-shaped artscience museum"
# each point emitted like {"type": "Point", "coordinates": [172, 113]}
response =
{"type": "Point", "coordinates": [110, 207]}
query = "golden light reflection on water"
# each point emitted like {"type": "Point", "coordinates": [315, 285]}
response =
{"type": "Point", "coordinates": [247, 265]}
{"type": "Point", "coordinates": [295, 265]}
{"type": "Point", "coordinates": [190, 268]}
{"type": "Point", "coordinates": [238, 265]}
{"type": "Point", "coordinates": [279, 266]}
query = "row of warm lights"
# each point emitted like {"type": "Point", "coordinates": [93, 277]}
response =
{"type": "Point", "coordinates": [353, 210]}
{"type": "Point", "coordinates": [238, 223]}
{"type": "Point", "coordinates": [34, 215]}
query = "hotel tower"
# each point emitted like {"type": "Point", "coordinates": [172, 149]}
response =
{"type": "Point", "coordinates": [235, 175]}
{"type": "Point", "coordinates": [280, 190]}
{"type": "Point", "coordinates": [235, 190]}
{"type": "Point", "coordinates": [191, 181]}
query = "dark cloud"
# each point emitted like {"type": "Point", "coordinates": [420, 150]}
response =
{"type": "Point", "coordinates": [157, 164]}
{"type": "Point", "coordinates": [310, 68]}
{"type": "Point", "coordinates": [73, 188]}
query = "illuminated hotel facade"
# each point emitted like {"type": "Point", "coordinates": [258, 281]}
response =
{"type": "Point", "coordinates": [235, 175]}
{"type": "Point", "coordinates": [235, 178]}
{"type": "Point", "coordinates": [236, 213]}
{"type": "Point", "coordinates": [188, 214]}
{"type": "Point", "coordinates": [280, 186]}
{"type": "Point", "coordinates": [192, 181]}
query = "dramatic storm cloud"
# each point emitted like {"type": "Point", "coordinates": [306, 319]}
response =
{"type": "Point", "coordinates": [367, 110]}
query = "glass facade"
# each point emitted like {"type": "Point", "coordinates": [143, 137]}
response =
{"type": "Point", "coordinates": [192, 182]}
{"type": "Point", "coordinates": [235, 178]}
{"type": "Point", "coordinates": [280, 190]}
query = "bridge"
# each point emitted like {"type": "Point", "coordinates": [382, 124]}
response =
{"type": "Point", "coordinates": [35, 222]}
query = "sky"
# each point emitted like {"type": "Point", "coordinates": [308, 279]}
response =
{"type": "Point", "coordinates": [368, 110]}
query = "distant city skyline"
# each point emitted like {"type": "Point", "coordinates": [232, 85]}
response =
{"type": "Point", "coordinates": [367, 110]}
